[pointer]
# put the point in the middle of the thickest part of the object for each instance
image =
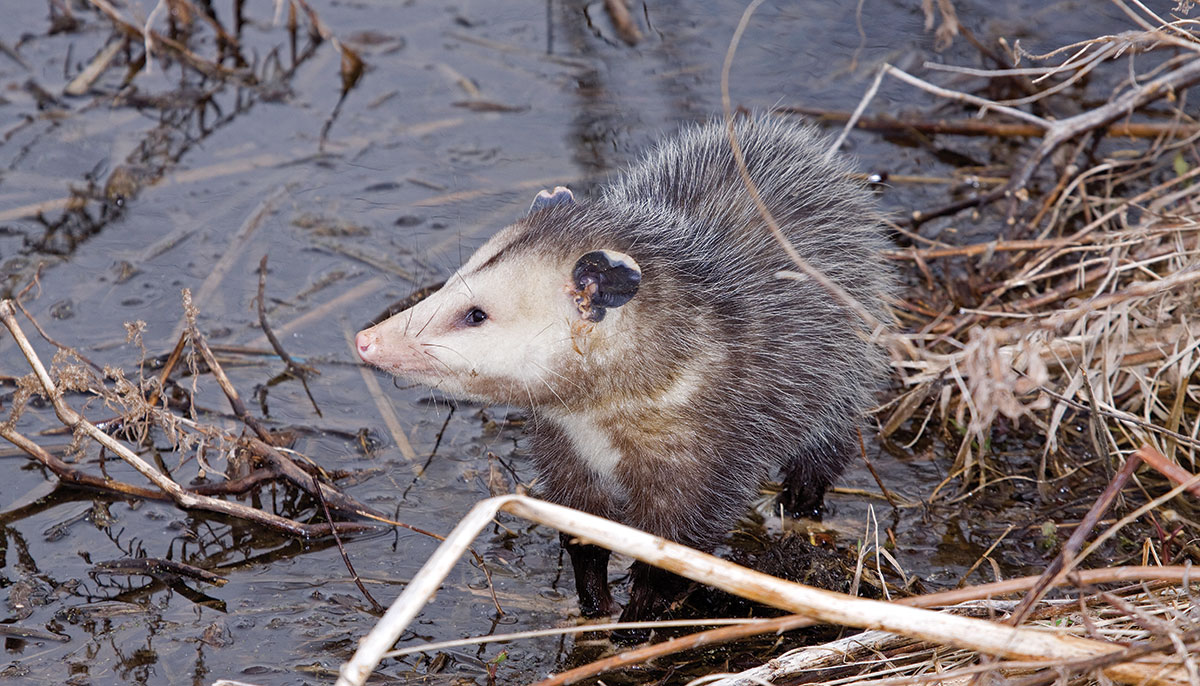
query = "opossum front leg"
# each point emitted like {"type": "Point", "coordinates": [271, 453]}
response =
{"type": "Point", "coordinates": [590, 563]}
{"type": "Point", "coordinates": [665, 503]}
{"type": "Point", "coordinates": [809, 474]}
{"type": "Point", "coordinates": [802, 497]}
{"type": "Point", "coordinates": [650, 595]}
{"type": "Point", "coordinates": [566, 480]}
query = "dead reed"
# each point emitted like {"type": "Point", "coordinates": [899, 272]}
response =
{"type": "Point", "coordinates": [1084, 306]}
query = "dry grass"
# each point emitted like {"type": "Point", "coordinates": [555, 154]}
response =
{"type": "Point", "coordinates": [1141, 616]}
{"type": "Point", "coordinates": [1087, 309]}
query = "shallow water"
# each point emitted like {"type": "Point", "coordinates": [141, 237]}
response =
{"type": "Point", "coordinates": [408, 182]}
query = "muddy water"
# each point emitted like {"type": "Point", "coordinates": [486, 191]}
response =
{"type": "Point", "coordinates": [463, 113]}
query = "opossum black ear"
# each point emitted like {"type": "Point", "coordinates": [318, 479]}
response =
{"type": "Point", "coordinates": [545, 198]}
{"type": "Point", "coordinates": [603, 279]}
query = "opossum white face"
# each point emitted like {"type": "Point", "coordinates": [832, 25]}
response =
{"type": "Point", "coordinates": [505, 325]}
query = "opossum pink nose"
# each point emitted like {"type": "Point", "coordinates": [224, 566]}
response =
{"type": "Point", "coordinates": [366, 342]}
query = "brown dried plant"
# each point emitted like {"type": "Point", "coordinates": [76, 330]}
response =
{"type": "Point", "coordinates": [1092, 313]}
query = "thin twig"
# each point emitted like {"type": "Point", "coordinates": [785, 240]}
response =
{"type": "Point", "coordinates": [1051, 575]}
{"type": "Point", "coordinates": [835, 290]}
{"type": "Point", "coordinates": [376, 608]}
{"type": "Point", "coordinates": [182, 497]}
{"type": "Point", "coordinates": [298, 371]}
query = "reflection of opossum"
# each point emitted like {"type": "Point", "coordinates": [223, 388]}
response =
{"type": "Point", "coordinates": [667, 369]}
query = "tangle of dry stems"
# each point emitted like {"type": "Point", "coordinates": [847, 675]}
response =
{"type": "Point", "coordinates": [1093, 315]}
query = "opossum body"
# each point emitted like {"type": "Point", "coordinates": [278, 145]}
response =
{"type": "Point", "coordinates": [667, 370]}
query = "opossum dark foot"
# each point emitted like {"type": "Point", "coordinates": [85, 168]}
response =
{"type": "Point", "coordinates": [803, 491]}
{"type": "Point", "coordinates": [812, 471]}
{"type": "Point", "coordinates": [590, 563]}
{"type": "Point", "coordinates": [651, 594]}
{"type": "Point", "coordinates": [802, 500]}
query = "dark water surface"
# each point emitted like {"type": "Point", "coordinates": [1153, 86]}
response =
{"type": "Point", "coordinates": [408, 182]}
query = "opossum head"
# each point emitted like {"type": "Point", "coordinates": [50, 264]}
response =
{"type": "Point", "coordinates": [510, 322]}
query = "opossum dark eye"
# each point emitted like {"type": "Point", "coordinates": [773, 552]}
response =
{"type": "Point", "coordinates": [475, 317]}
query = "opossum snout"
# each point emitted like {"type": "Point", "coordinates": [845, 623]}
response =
{"type": "Point", "coordinates": [367, 345]}
{"type": "Point", "coordinates": [377, 348]}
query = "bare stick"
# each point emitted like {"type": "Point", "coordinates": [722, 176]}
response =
{"type": "Point", "coordinates": [966, 97]}
{"type": "Point", "coordinates": [807, 269]}
{"type": "Point", "coordinates": [158, 567]}
{"type": "Point", "coordinates": [887, 493]}
{"type": "Point", "coordinates": [675, 645]}
{"type": "Point", "coordinates": [627, 28]}
{"type": "Point", "coordinates": [375, 606]}
{"type": "Point", "coordinates": [299, 371]}
{"type": "Point", "coordinates": [827, 606]}
{"type": "Point", "coordinates": [182, 497]}
{"type": "Point", "coordinates": [45, 336]}
{"type": "Point", "coordinates": [231, 394]}
{"type": "Point", "coordinates": [404, 609]}
{"type": "Point", "coordinates": [1075, 542]}
{"type": "Point", "coordinates": [852, 121]}
{"type": "Point", "coordinates": [95, 68]}
{"type": "Point", "coordinates": [70, 475]}
{"type": "Point", "coordinates": [1168, 468]}
{"type": "Point", "coordinates": [172, 360]}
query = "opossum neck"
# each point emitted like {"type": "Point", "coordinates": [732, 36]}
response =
{"type": "Point", "coordinates": [634, 428]}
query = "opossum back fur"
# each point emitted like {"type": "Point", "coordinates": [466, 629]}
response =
{"type": "Point", "coordinates": [725, 371]}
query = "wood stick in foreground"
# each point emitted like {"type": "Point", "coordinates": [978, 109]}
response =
{"type": "Point", "coordinates": [730, 630]}
{"type": "Point", "coordinates": [963, 632]}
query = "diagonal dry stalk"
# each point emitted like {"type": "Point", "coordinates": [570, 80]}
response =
{"type": "Point", "coordinates": [1016, 643]}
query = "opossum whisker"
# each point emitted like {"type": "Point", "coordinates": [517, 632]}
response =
{"type": "Point", "coordinates": [544, 330]}
{"type": "Point", "coordinates": [465, 284]}
{"type": "Point", "coordinates": [446, 347]}
{"type": "Point", "coordinates": [432, 315]}
{"type": "Point", "coordinates": [439, 361]}
{"type": "Point", "coordinates": [549, 387]}
{"type": "Point", "coordinates": [574, 383]}
{"type": "Point", "coordinates": [528, 393]}
{"type": "Point", "coordinates": [510, 392]}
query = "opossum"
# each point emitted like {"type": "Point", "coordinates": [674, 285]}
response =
{"type": "Point", "coordinates": [666, 368]}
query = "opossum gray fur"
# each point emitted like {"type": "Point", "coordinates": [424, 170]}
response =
{"type": "Point", "coordinates": [667, 370]}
